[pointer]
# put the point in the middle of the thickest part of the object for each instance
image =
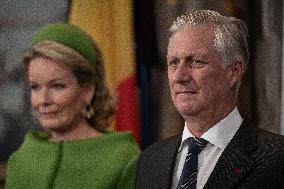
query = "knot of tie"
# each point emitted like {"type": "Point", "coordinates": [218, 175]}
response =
{"type": "Point", "coordinates": [196, 145]}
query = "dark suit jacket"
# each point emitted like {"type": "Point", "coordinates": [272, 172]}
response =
{"type": "Point", "coordinates": [253, 159]}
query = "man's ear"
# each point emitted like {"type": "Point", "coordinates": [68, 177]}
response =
{"type": "Point", "coordinates": [235, 72]}
{"type": "Point", "coordinates": [89, 91]}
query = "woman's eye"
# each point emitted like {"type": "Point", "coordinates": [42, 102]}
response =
{"type": "Point", "coordinates": [58, 86]}
{"type": "Point", "coordinates": [34, 87]}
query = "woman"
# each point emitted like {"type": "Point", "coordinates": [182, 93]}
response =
{"type": "Point", "coordinates": [74, 106]}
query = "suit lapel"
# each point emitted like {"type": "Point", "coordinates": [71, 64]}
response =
{"type": "Point", "coordinates": [167, 161]}
{"type": "Point", "coordinates": [234, 163]}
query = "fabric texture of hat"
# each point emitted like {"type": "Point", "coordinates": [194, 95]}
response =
{"type": "Point", "coordinates": [68, 35]}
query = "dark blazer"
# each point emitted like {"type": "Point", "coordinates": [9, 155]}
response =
{"type": "Point", "coordinates": [253, 159]}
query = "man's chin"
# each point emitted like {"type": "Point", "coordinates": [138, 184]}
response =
{"type": "Point", "coordinates": [187, 111]}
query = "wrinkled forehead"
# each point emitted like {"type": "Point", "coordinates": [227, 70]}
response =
{"type": "Point", "coordinates": [195, 41]}
{"type": "Point", "coordinates": [203, 33]}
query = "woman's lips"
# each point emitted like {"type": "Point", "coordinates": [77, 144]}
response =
{"type": "Point", "coordinates": [47, 114]}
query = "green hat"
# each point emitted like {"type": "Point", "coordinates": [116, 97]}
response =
{"type": "Point", "coordinates": [68, 35]}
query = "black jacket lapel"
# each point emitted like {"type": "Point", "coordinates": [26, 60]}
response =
{"type": "Point", "coordinates": [234, 162]}
{"type": "Point", "coordinates": [156, 164]}
{"type": "Point", "coordinates": [168, 157]}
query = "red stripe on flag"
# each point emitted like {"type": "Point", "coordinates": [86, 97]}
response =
{"type": "Point", "coordinates": [127, 116]}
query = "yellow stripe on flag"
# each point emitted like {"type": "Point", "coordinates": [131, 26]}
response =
{"type": "Point", "coordinates": [110, 23]}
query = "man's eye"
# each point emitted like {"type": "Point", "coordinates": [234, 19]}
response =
{"type": "Point", "coordinates": [198, 63]}
{"type": "Point", "coordinates": [173, 62]}
{"type": "Point", "coordinates": [195, 61]}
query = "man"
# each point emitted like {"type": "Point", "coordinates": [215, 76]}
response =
{"type": "Point", "coordinates": [207, 57]}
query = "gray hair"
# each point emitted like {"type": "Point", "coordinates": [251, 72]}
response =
{"type": "Point", "coordinates": [231, 34]}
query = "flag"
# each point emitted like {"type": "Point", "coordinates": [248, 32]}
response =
{"type": "Point", "coordinates": [110, 22]}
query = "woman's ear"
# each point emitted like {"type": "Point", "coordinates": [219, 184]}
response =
{"type": "Point", "coordinates": [89, 91]}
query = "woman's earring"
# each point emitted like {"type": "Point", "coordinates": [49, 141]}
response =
{"type": "Point", "coordinates": [88, 112]}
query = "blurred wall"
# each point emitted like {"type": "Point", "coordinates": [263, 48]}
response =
{"type": "Point", "coordinates": [19, 20]}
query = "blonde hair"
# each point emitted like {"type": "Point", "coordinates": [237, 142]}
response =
{"type": "Point", "coordinates": [103, 101]}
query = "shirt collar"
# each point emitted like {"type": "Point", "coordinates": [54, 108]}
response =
{"type": "Point", "coordinates": [220, 134]}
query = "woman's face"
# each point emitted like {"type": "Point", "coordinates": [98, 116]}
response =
{"type": "Point", "coordinates": [56, 96]}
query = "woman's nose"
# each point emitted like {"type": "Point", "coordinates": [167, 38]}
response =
{"type": "Point", "coordinates": [43, 97]}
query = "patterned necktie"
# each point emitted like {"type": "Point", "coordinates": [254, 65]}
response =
{"type": "Point", "coordinates": [188, 178]}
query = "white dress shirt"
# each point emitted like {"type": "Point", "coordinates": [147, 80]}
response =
{"type": "Point", "coordinates": [218, 138]}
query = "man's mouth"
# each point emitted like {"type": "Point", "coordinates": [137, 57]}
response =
{"type": "Point", "coordinates": [186, 92]}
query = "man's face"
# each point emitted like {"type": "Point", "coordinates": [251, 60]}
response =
{"type": "Point", "coordinates": [197, 80]}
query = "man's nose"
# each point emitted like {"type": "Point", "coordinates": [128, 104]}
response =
{"type": "Point", "coordinates": [183, 72]}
